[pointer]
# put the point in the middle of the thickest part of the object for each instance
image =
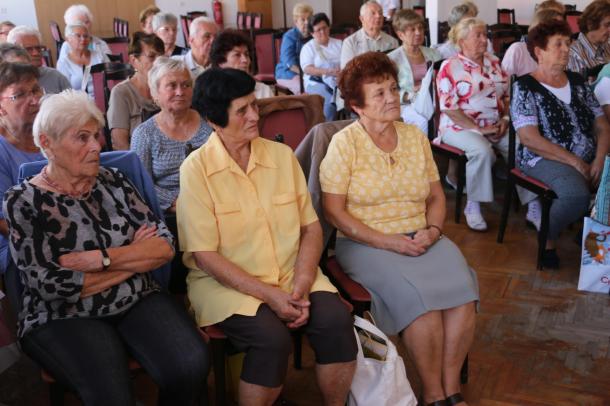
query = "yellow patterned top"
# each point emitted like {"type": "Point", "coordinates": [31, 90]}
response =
{"type": "Point", "coordinates": [386, 191]}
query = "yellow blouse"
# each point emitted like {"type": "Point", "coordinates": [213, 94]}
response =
{"type": "Point", "coordinates": [253, 219]}
{"type": "Point", "coordinates": [388, 197]}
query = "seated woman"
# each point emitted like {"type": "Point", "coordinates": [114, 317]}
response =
{"type": "Point", "coordinates": [287, 69]}
{"type": "Point", "coordinates": [164, 140]}
{"type": "Point", "coordinates": [130, 98]}
{"type": "Point", "coordinates": [84, 243]}
{"type": "Point", "coordinates": [252, 242]}
{"type": "Point", "coordinates": [145, 17]}
{"type": "Point", "coordinates": [381, 190]}
{"type": "Point", "coordinates": [319, 60]}
{"type": "Point", "coordinates": [465, 10]}
{"type": "Point", "coordinates": [165, 26]}
{"type": "Point", "coordinates": [233, 49]}
{"type": "Point", "coordinates": [591, 48]}
{"type": "Point", "coordinates": [19, 103]}
{"type": "Point", "coordinates": [473, 92]}
{"type": "Point", "coordinates": [76, 63]}
{"type": "Point", "coordinates": [564, 134]}
{"type": "Point", "coordinates": [80, 14]}
{"type": "Point", "coordinates": [412, 60]}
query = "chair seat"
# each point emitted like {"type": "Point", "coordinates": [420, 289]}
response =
{"type": "Point", "coordinates": [267, 78]}
{"type": "Point", "coordinates": [214, 332]}
{"type": "Point", "coordinates": [448, 148]}
{"type": "Point", "coordinates": [353, 289]}
{"type": "Point", "coordinates": [517, 173]}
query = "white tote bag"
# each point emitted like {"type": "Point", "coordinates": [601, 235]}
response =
{"type": "Point", "coordinates": [379, 382]}
{"type": "Point", "coordinates": [595, 265]}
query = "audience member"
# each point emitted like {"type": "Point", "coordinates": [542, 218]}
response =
{"type": "Point", "coordinates": [287, 71]}
{"type": "Point", "coordinates": [552, 5]}
{"type": "Point", "coordinates": [202, 32]}
{"type": "Point", "coordinates": [165, 25]}
{"type": "Point", "coordinates": [252, 242]}
{"type": "Point", "coordinates": [564, 134]}
{"type": "Point", "coordinates": [30, 39]}
{"type": "Point", "coordinates": [14, 53]}
{"type": "Point", "coordinates": [233, 49]}
{"type": "Point", "coordinates": [591, 48]}
{"type": "Point", "coordinates": [381, 190]}
{"type": "Point", "coordinates": [370, 37]}
{"type": "Point", "coordinates": [319, 60]}
{"type": "Point", "coordinates": [146, 17]}
{"type": "Point", "coordinates": [76, 64]}
{"type": "Point", "coordinates": [84, 243]}
{"type": "Point", "coordinates": [601, 88]}
{"type": "Point", "coordinates": [80, 14]}
{"type": "Point", "coordinates": [132, 97]}
{"type": "Point", "coordinates": [412, 60]}
{"type": "Point", "coordinates": [5, 27]}
{"type": "Point", "coordinates": [389, 8]}
{"type": "Point", "coordinates": [19, 103]}
{"type": "Point", "coordinates": [164, 141]}
{"type": "Point", "coordinates": [465, 10]}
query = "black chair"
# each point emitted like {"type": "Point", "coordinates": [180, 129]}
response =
{"type": "Point", "coordinates": [506, 15]}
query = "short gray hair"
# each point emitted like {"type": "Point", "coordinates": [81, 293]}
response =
{"type": "Point", "coordinates": [162, 66]}
{"type": "Point", "coordinates": [74, 11]}
{"type": "Point", "coordinates": [457, 14]}
{"type": "Point", "coordinates": [161, 19]}
{"type": "Point", "coordinates": [71, 27]}
{"type": "Point", "coordinates": [20, 30]}
{"type": "Point", "coordinates": [461, 30]}
{"type": "Point", "coordinates": [8, 51]}
{"type": "Point", "coordinates": [59, 113]}
{"type": "Point", "coordinates": [196, 23]}
{"type": "Point", "coordinates": [364, 6]}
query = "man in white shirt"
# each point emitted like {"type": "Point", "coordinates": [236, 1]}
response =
{"type": "Point", "coordinates": [202, 32]}
{"type": "Point", "coordinates": [369, 37]}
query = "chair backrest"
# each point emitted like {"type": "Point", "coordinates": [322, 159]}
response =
{"type": "Point", "coordinates": [120, 27]}
{"type": "Point", "coordinates": [501, 40]}
{"type": "Point", "coordinates": [433, 123]}
{"type": "Point", "coordinates": [257, 20]}
{"type": "Point", "coordinates": [105, 76]}
{"type": "Point", "coordinates": [56, 35]}
{"type": "Point", "coordinates": [248, 21]}
{"type": "Point", "coordinates": [421, 10]}
{"type": "Point", "coordinates": [185, 21]}
{"type": "Point", "coordinates": [119, 46]}
{"type": "Point", "coordinates": [277, 46]}
{"type": "Point", "coordinates": [572, 18]}
{"type": "Point", "coordinates": [264, 50]}
{"type": "Point", "coordinates": [570, 7]}
{"type": "Point", "coordinates": [241, 20]}
{"type": "Point", "coordinates": [506, 16]}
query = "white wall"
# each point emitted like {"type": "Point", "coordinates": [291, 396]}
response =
{"type": "Point", "coordinates": [438, 10]}
{"type": "Point", "coordinates": [20, 12]}
{"type": "Point", "coordinates": [319, 6]}
{"type": "Point", "coordinates": [524, 9]}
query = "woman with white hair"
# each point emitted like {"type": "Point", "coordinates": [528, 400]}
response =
{"type": "Point", "coordinates": [84, 243]}
{"type": "Point", "coordinates": [165, 25]}
{"type": "Point", "coordinates": [465, 10]}
{"type": "Point", "coordinates": [80, 14]}
{"type": "Point", "coordinates": [76, 64]}
{"type": "Point", "coordinates": [164, 141]}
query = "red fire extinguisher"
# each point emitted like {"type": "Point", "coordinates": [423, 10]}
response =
{"type": "Point", "coordinates": [217, 5]}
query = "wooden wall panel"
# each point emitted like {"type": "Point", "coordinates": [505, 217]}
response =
{"type": "Point", "coordinates": [258, 6]}
{"type": "Point", "coordinates": [103, 13]}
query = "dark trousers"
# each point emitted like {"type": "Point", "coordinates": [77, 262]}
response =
{"type": "Point", "coordinates": [90, 355]}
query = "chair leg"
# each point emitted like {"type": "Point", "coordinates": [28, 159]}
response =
{"type": "Point", "coordinates": [461, 181]}
{"type": "Point", "coordinates": [56, 394]}
{"type": "Point", "coordinates": [544, 229]}
{"type": "Point", "coordinates": [218, 359]}
{"type": "Point", "coordinates": [298, 348]}
{"type": "Point", "coordinates": [464, 371]}
{"type": "Point", "coordinates": [508, 195]}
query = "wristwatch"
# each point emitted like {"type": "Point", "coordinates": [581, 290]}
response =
{"type": "Point", "coordinates": [105, 259]}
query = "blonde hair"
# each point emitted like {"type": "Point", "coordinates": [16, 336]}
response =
{"type": "Point", "coordinates": [300, 9]}
{"type": "Point", "coordinates": [551, 5]}
{"type": "Point", "coordinates": [461, 30]}
{"type": "Point", "coordinates": [404, 18]}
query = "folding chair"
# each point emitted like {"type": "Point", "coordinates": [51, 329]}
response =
{"type": "Point", "coordinates": [56, 34]}
{"type": "Point", "coordinates": [501, 39]}
{"type": "Point", "coordinates": [572, 17]}
{"type": "Point", "coordinates": [257, 21]}
{"type": "Point", "coordinates": [105, 77]}
{"type": "Point", "coordinates": [185, 21]}
{"type": "Point", "coordinates": [241, 20]}
{"type": "Point", "coordinates": [264, 55]}
{"type": "Point", "coordinates": [119, 46]}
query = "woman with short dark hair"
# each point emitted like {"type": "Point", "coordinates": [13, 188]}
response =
{"type": "Point", "coordinates": [591, 48]}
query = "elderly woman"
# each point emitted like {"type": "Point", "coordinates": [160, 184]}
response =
{"type": "Point", "coordinates": [564, 134]}
{"type": "Point", "coordinates": [473, 92]}
{"type": "Point", "coordinates": [165, 25]}
{"type": "Point", "coordinates": [252, 242]}
{"type": "Point", "coordinates": [19, 102]}
{"type": "Point", "coordinates": [84, 243]}
{"type": "Point", "coordinates": [465, 10]}
{"type": "Point", "coordinates": [591, 48]}
{"type": "Point", "coordinates": [146, 17]}
{"type": "Point", "coordinates": [517, 59]}
{"type": "Point", "coordinates": [76, 64]}
{"type": "Point", "coordinates": [412, 59]}
{"type": "Point", "coordinates": [320, 62]}
{"type": "Point", "coordinates": [5, 27]}
{"type": "Point", "coordinates": [130, 98]}
{"type": "Point", "coordinates": [287, 72]}
{"type": "Point", "coordinates": [233, 49]}
{"type": "Point", "coordinates": [163, 141]}
{"type": "Point", "coordinates": [381, 190]}
{"type": "Point", "coordinates": [80, 14]}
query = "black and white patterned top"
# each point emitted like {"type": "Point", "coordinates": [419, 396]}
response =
{"type": "Point", "coordinates": [44, 225]}
{"type": "Point", "coordinates": [567, 125]}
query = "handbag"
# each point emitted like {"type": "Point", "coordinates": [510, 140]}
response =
{"type": "Point", "coordinates": [380, 378]}
{"type": "Point", "coordinates": [595, 264]}
{"type": "Point", "coordinates": [423, 103]}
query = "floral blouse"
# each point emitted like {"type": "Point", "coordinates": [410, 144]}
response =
{"type": "Point", "coordinates": [568, 125]}
{"type": "Point", "coordinates": [476, 90]}
{"type": "Point", "coordinates": [44, 225]}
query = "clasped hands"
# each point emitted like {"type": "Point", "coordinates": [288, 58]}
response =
{"type": "Point", "coordinates": [495, 132]}
{"type": "Point", "coordinates": [292, 308]}
{"type": "Point", "coordinates": [413, 246]}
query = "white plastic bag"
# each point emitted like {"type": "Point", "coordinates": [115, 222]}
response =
{"type": "Point", "coordinates": [595, 264]}
{"type": "Point", "coordinates": [423, 103]}
{"type": "Point", "coordinates": [379, 382]}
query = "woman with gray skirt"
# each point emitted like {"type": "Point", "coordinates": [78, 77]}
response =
{"type": "Point", "coordinates": [381, 190]}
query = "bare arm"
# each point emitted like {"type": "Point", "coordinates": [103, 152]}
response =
{"type": "Point", "coordinates": [99, 282]}
{"type": "Point", "coordinates": [312, 70]}
{"type": "Point", "coordinates": [120, 139]}
{"type": "Point", "coordinates": [306, 265]}
{"type": "Point", "coordinates": [435, 216]}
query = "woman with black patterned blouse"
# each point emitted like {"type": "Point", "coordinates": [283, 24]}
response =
{"type": "Point", "coordinates": [85, 242]}
{"type": "Point", "coordinates": [563, 132]}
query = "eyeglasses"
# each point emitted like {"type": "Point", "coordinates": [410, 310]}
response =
{"type": "Point", "coordinates": [34, 48]}
{"type": "Point", "coordinates": [150, 57]}
{"type": "Point", "coordinates": [81, 36]}
{"type": "Point", "coordinates": [37, 91]}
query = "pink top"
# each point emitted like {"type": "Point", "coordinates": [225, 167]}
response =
{"type": "Point", "coordinates": [419, 71]}
{"type": "Point", "coordinates": [476, 90]}
{"type": "Point", "coordinates": [518, 61]}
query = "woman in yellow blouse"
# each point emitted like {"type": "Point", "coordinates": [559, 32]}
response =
{"type": "Point", "coordinates": [252, 242]}
{"type": "Point", "coordinates": [381, 190]}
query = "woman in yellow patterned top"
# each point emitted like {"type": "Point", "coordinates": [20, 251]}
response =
{"type": "Point", "coordinates": [252, 242]}
{"type": "Point", "coordinates": [381, 190]}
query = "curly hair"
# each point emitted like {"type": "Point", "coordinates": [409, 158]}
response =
{"type": "Point", "coordinates": [224, 42]}
{"type": "Point", "coordinates": [366, 68]}
{"type": "Point", "coordinates": [592, 16]}
{"type": "Point", "coordinates": [540, 34]}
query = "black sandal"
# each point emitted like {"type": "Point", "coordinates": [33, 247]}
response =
{"type": "Point", "coordinates": [454, 399]}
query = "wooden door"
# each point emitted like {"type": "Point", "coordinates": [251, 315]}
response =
{"type": "Point", "coordinates": [258, 6]}
{"type": "Point", "coordinates": [346, 12]}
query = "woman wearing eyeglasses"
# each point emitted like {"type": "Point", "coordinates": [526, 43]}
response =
{"type": "Point", "coordinates": [19, 102]}
{"type": "Point", "coordinates": [76, 64]}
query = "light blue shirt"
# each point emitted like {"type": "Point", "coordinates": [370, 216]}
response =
{"type": "Point", "coordinates": [292, 42]}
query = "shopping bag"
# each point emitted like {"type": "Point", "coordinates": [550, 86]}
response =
{"type": "Point", "coordinates": [595, 264]}
{"type": "Point", "coordinates": [601, 209]}
{"type": "Point", "coordinates": [423, 103]}
{"type": "Point", "coordinates": [380, 378]}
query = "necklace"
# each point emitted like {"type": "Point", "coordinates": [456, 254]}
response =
{"type": "Point", "coordinates": [54, 185]}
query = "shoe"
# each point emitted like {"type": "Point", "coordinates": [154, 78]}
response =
{"type": "Point", "coordinates": [474, 219]}
{"type": "Point", "coordinates": [533, 218]}
{"type": "Point", "coordinates": [550, 260]}
{"type": "Point", "coordinates": [452, 184]}
{"type": "Point", "coordinates": [454, 399]}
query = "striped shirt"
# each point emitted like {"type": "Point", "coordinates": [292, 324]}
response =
{"type": "Point", "coordinates": [584, 55]}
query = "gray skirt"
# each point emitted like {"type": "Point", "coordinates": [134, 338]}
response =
{"type": "Point", "coordinates": [403, 287]}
